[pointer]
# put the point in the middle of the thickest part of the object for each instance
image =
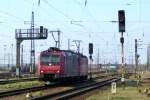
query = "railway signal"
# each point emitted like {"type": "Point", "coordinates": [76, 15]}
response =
{"type": "Point", "coordinates": [91, 48]}
{"type": "Point", "coordinates": [121, 20]}
{"type": "Point", "coordinates": [41, 29]}
{"type": "Point", "coordinates": [90, 52]}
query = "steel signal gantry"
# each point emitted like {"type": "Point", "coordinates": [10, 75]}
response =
{"type": "Point", "coordinates": [27, 34]}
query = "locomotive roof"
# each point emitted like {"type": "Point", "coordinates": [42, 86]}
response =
{"type": "Point", "coordinates": [58, 50]}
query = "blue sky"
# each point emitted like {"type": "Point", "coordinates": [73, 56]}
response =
{"type": "Point", "coordinates": [91, 23]}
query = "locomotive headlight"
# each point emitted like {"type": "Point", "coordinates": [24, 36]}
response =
{"type": "Point", "coordinates": [58, 71]}
{"type": "Point", "coordinates": [41, 71]}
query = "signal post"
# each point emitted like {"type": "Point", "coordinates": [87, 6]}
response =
{"type": "Point", "coordinates": [90, 52]}
{"type": "Point", "coordinates": [121, 18]}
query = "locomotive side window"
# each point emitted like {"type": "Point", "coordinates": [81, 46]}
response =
{"type": "Point", "coordinates": [50, 59]}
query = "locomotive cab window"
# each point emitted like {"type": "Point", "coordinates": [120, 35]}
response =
{"type": "Point", "coordinates": [50, 59]}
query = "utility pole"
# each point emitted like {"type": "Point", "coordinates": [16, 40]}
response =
{"type": "Point", "coordinates": [98, 65]}
{"type": "Point", "coordinates": [148, 57]}
{"type": "Point", "coordinates": [8, 61]}
{"type": "Point", "coordinates": [12, 55]}
{"type": "Point", "coordinates": [77, 42]}
{"type": "Point", "coordinates": [137, 69]}
{"type": "Point", "coordinates": [136, 57]}
{"type": "Point", "coordinates": [32, 54]}
{"type": "Point", "coordinates": [22, 55]}
{"type": "Point", "coordinates": [132, 64]}
{"type": "Point", "coordinates": [4, 55]}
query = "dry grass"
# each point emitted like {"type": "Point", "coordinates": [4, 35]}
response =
{"type": "Point", "coordinates": [20, 85]}
{"type": "Point", "coordinates": [131, 92]}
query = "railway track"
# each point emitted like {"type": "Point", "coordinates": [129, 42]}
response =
{"type": "Point", "coordinates": [6, 81]}
{"type": "Point", "coordinates": [26, 90]}
{"type": "Point", "coordinates": [67, 94]}
{"type": "Point", "coordinates": [33, 89]}
{"type": "Point", "coordinates": [38, 88]}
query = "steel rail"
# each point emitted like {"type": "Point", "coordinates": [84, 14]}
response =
{"type": "Point", "coordinates": [26, 90]}
{"type": "Point", "coordinates": [36, 88]}
{"type": "Point", "coordinates": [7, 81]}
{"type": "Point", "coordinates": [75, 91]}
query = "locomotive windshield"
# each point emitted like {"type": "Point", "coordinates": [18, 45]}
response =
{"type": "Point", "coordinates": [50, 59]}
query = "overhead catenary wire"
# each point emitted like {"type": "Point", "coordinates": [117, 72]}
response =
{"type": "Point", "coordinates": [48, 14]}
{"type": "Point", "coordinates": [84, 9]}
{"type": "Point", "coordinates": [11, 15]}
{"type": "Point", "coordinates": [56, 9]}
{"type": "Point", "coordinates": [60, 13]}
{"type": "Point", "coordinates": [92, 17]}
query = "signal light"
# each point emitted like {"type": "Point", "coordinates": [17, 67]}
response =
{"type": "Point", "coordinates": [90, 57]}
{"type": "Point", "coordinates": [90, 48]}
{"type": "Point", "coordinates": [121, 18]}
{"type": "Point", "coordinates": [41, 29]}
{"type": "Point", "coordinates": [122, 40]}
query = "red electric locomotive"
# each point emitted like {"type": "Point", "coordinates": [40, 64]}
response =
{"type": "Point", "coordinates": [55, 64]}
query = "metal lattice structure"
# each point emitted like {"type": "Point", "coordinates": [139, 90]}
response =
{"type": "Point", "coordinates": [27, 34]}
